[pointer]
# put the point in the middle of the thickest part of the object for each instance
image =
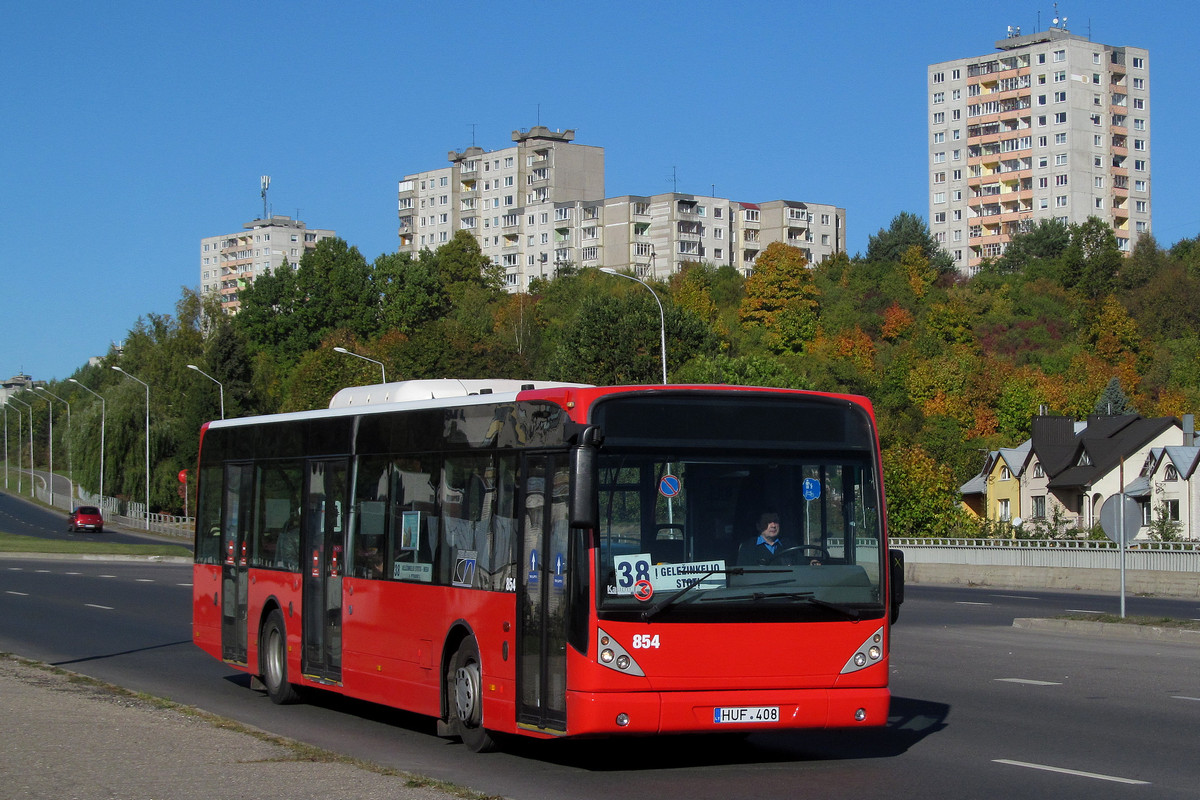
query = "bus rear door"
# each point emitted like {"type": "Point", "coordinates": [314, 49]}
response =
{"type": "Point", "coordinates": [544, 579]}
{"type": "Point", "coordinates": [323, 561]}
{"type": "Point", "coordinates": [235, 527]}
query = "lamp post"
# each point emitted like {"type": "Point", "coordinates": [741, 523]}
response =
{"type": "Point", "coordinates": [6, 446]}
{"type": "Point", "coordinates": [70, 472]}
{"type": "Point", "coordinates": [22, 402]}
{"type": "Point", "coordinates": [143, 383]}
{"type": "Point", "coordinates": [382, 370]}
{"type": "Point", "coordinates": [103, 414]}
{"type": "Point", "coordinates": [220, 386]}
{"type": "Point", "coordinates": [662, 318]}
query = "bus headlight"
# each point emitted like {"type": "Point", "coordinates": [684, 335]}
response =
{"type": "Point", "coordinates": [871, 652]}
{"type": "Point", "coordinates": [616, 657]}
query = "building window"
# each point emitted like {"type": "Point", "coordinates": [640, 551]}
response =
{"type": "Point", "coordinates": [1003, 510]}
{"type": "Point", "coordinates": [1005, 474]}
{"type": "Point", "coordinates": [938, 77]}
{"type": "Point", "coordinates": [1139, 63]}
{"type": "Point", "coordinates": [1038, 510]}
{"type": "Point", "coordinates": [1060, 55]}
{"type": "Point", "coordinates": [1172, 508]}
{"type": "Point", "coordinates": [939, 97]}
{"type": "Point", "coordinates": [939, 118]}
{"type": "Point", "coordinates": [1060, 118]}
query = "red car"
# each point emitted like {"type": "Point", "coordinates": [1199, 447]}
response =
{"type": "Point", "coordinates": [86, 518]}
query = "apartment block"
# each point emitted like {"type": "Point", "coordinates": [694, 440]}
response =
{"type": "Point", "coordinates": [1050, 126]}
{"type": "Point", "coordinates": [540, 205]}
{"type": "Point", "coordinates": [228, 262]}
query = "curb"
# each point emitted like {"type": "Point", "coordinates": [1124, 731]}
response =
{"type": "Point", "coordinates": [1109, 630]}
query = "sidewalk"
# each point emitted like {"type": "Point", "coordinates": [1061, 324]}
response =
{"type": "Point", "coordinates": [70, 739]}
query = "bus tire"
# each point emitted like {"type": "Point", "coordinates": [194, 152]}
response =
{"type": "Point", "coordinates": [464, 698]}
{"type": "Point", "coordinates": [273, 657]}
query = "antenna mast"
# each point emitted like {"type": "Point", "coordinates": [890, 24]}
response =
{"type": "Point", "coordinates": [265, 183]}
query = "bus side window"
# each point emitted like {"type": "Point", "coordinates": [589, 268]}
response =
{"type": "Point", "coordinates": [467, 495]}
{"type": "Point", "coordinates": [277, 515]}
{"type": "Point", "coordinates": [413, 520]}
{"type": "Point", "coordinates": [503, 562]}
{"type": "Point", "coordinates": [369, 549]}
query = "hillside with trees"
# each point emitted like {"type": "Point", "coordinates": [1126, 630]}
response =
{"type": "Point", "coordinates": [953, 366]}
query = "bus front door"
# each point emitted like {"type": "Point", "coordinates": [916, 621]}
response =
{"type": "Point", "coordinates": [323, 526]}
{"type": "Point", "coordinates": [544, 579]}
{"type": "Point", "coordinates": [235, 528]}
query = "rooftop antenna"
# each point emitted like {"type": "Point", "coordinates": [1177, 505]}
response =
{"type": "Point", "coordinates": [1059, 22]}
{"type": "Point", "coordinates": [472, 134]}
{"type": "Point", "coordinates": [265, 183]}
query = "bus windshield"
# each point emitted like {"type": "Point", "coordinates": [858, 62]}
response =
{"type": "Point", "coordinates": [699, 536]}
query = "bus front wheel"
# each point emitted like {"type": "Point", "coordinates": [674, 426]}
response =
{"type": "Point", "coordinates": [274, 661]}
{"type": "Point", "coordinates": [464, 687]}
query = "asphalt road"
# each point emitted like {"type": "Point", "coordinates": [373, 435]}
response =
{"type": "Point", "coordinates": [980, 709]}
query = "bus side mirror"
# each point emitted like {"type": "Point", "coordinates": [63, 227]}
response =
{"type": "Point", "coordinates": [583, 480]}
{"type": "Point", "coordinates": [896, 580]}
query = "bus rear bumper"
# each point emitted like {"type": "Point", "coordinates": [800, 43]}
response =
{"type": "Point", "coordinates": [590, 713]}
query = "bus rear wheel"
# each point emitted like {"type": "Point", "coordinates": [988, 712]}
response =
{"type": "Point", "coordinates": [274, 661]}
{"type": "Point", "coordinates": [464, 701]}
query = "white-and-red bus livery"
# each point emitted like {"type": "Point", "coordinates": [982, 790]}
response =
{"type": "Point", "coordinates": [556, 559]}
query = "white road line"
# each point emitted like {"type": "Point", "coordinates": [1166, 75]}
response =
{"type": "Point", "coordinates": [42, 571]}
{"type": "Point", "coordinates": [968, 603]}
{"type": "Point", "coordinates": [183, 584]}
{"type": "Point", "coordinates": [72, 573]}
{"type": "Point", "coordinates": [19, 594]}
{"type": "Point", "coordinates": [107, 576]}
{"type": "Point", "coordinates": [1014, 596]}
{"type": "Point", "coordinates": [1083, 611]}
{"type": "Point", "coordinates": [93, 605]}
{"type": "Point", "coordinates": [1076, 772]}
{"type": "Point", "coordinates": [15, 569]}
{"type": "Point", "coordinates": [145, 580]}
{"type": "Point", "coordinates": [1029, 682]}
{"type": "Point", "coordinates": [1184, 697]}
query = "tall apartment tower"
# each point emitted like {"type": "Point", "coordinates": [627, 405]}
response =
{"type": "Point", "coordinates": [1051, 126]}
{"type": "Point", "coordinates": [228, 262]}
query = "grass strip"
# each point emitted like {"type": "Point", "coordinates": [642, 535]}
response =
{"type": "Point", "coordinates": [1152, 622]}
{"type": "Point", "coordinates": [13, 543]}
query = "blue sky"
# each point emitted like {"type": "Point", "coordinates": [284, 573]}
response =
{"type": "Point", "coordinates": [131, 130]}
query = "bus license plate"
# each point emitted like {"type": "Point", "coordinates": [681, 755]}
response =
{"type": "Point", "coordinates": [746, 714]}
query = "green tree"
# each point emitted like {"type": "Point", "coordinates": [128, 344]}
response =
{"type": "Point", "coordinates": [907, 230]}
{"type": "Point", "coordinates": [1092, 260]}
{"type": "Point", "coordinates": [922, 497]}
{"type": "Point", "coordinates": [1113, 401]}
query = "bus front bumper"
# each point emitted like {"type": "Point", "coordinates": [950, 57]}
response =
{"type": "Point", "coordinates": [590, 713]}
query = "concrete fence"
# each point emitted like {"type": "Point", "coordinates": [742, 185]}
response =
{"type": "Point", "coordinates": [1166, 569]}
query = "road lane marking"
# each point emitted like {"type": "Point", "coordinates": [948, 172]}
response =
{"type": "Point", "coordinates": [1078, 773]}
{"type": "Point", "coordinates": [1014, 596]}
{"type": "Point", "coordinates": [72, 573]}
{"type": "Point", "coordinates": [183, 584]}
{"type": "Point", "coordinates": [107, 576]}
{"type": "Point", "coordinates": [93, 605]}
{"type": "Point", "coordinates": [15, 569]}
{"type": "Point", "coordinates": [1184, 697]}
{"type": "Point", "coordinates": [18, 594]}
{"type": "Point", "coordinates": [1084, 611]}
{"type": "Point", "coordinates": [969, 603]}
{"type": "Point", "coordinates": [42, 571]}
{"type": "Point", "coordinates": [145, 580]}
{"type": "Point", "coordinates": [1029, 682]}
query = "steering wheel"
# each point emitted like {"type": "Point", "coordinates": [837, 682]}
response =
{"type": "Point", "coordinates": [823, 553]}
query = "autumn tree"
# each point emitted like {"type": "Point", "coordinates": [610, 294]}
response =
{"type": "Point", "coordinates": [781, 299]}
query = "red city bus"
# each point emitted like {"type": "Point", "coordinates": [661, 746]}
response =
{"type": "Point", "coordinates": [555, 559]}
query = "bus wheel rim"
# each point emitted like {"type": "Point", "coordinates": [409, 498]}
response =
{"type": "Point", "coordinates": [466, 694]}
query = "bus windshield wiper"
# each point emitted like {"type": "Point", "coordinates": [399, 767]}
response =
{"type": "Point", "coordinates": [806, 597]}
{"type": "Point", "coordinates": [656, 609]}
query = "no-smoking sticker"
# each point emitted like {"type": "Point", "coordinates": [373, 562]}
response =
{"type": "Point", "coordinates": [642, 590]}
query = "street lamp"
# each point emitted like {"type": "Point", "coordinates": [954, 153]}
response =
{"type": "Point", "coordinates": [143, 383]}
{"type": "Point", "coordinates": [70, 473]}
{"type": "Point", "coordinates": [6, 447]}
{"type": "Point", "coordinates": [364, 358]}
{"type": "Point", "coordinates": [220, 386]}
{"type": "Point", "coordinates": [662, 318]}
{"type": "Point", "coordinates": [103, 414]}
{"type": "Point", "coordinates": [27, 405]}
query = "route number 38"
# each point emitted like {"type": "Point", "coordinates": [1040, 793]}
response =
{"type": "Point", "coordinates": [645, 641]}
